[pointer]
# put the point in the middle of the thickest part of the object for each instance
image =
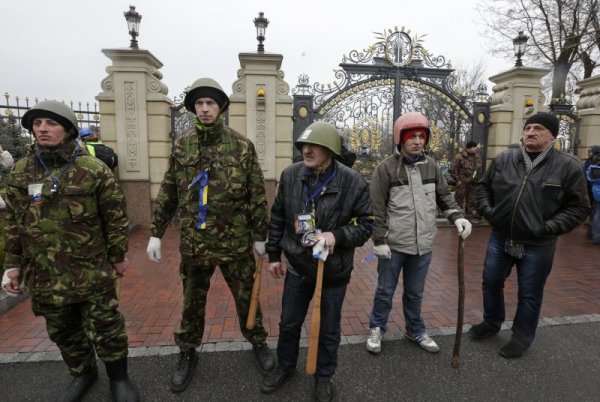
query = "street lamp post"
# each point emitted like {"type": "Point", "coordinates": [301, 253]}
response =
{"type": "Point", "coordinates": [520, 45]}
{"type": "Point", "coordinates": [133, 24]}
{"type": "Point", "coordinates": [261, 24]}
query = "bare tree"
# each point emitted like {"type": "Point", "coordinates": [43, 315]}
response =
{"type": "Point", "coordinates": [562, 33]}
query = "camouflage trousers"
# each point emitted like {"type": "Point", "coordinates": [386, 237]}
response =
{"type": "Point", "coordinates": [81, 330]}
{"type": "Point", "coordinates": [239, 275]}
{"type": "Point", "coordinates": [465, 195]}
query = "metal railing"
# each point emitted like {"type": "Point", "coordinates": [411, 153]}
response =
{"type": "Point", "coordinates": [87, 114]}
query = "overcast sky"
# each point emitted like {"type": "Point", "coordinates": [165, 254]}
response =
{"type": "Point", "coordinates": [52, 48]}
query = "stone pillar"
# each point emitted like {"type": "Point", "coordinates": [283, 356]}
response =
{"type": "Point", "coordinates": [261, 108]}
{"type": "Point", "coordinates": [135, 115]}
{"type": "Point", "coordinates": [516, 96]}
{"type": "Point", "coordinates": [588, 108]}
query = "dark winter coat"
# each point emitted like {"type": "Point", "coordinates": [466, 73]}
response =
{"type": "Point", "coordinates": [344, 208]}
{"type": "Point", "coordinates": [537, 207]}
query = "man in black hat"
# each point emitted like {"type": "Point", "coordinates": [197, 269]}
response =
{"type": "Point", "coordinates": [530, 196]}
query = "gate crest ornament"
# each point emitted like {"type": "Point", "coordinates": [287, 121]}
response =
{"type": "Point", "coordinates": [373, 87]}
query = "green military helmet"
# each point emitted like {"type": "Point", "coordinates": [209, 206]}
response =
{"type": "Point", "coordinates": [55, 110]}
{"type": "Point", "coordinates": [206, 88]}
{"type": "Point", "coordinates": [323, 134]}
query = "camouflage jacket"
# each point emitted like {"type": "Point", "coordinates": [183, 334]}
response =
{"type": "Point", "coordinates": [465, 167]}
{"type": "Point", "coordinates": [236, 202]}
{"type": "Point", "coordinates": [66, 237]}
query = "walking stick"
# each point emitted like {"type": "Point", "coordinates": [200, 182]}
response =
{"type": "Point", "coordinates": [118, 286]}
{"type": "Point", "coordinates": [255, 295]}
{"type": "Point", "coordinates": [315, 324]}
{"type": "Point", "coordinates": [461, 303]}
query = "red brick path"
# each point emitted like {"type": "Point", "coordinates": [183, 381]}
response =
{"type": "Point", "coordinates": [151, 294]}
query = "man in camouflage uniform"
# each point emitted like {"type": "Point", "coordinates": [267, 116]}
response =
{"type": "Point", "coordinates": [214, 184]}
{"type": "Point", "coordinates": [66, 238]}
{"type": "Point", "coordinates": [464, 170]}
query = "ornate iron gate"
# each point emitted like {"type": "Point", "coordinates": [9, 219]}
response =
{"type": "Point", "coordinates": [393, 76]}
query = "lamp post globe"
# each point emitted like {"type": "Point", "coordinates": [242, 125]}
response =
{"type": "Point", "coordinates": [520, 46]}
{"type": "Point", "coordinates": [261, 24]}
{"type": "Point", "coordinates": [133, 24]}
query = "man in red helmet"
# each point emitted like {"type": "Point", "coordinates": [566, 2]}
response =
{"type": "Point", "coordinates": [406, 189]}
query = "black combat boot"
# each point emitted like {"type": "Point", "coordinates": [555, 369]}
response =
{"type": "Point", "coordinates": [182, 375]}
{"type": "Point", "coordinates": [323, 391]}
{"type": "Point", "coordinates": [79, 386]}
{"type": "Point", "coordinates": [121, 387]}
{"type": "Point", "coordinates": [264, 357]}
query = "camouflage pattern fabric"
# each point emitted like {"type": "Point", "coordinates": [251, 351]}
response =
{"type": "Point", "coordinates": [81, 330]}
{"type": "Point", "coordinates": [65, 241]}
{"type": "Point", "coordinates": [239, 275]}
{"type": "Point", "coordinates": [464, 170]}
{"type": "Point", "coordinates": [237, 203]}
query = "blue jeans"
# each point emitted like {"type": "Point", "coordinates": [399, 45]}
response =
{"type": "Point", "coordinates": [297, 294]}
{"type": "Point", "coordinates": [414, 274]}
{"type": "Point", "coordinates": [532, 271]}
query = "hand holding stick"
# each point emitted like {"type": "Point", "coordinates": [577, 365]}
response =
{"type": "Point", "coordinates": [320, 251]}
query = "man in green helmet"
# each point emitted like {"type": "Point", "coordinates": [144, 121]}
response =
{"type": "Point", "coordinates": [318, 200]}
{"type": "Point", "coordinates": [214, 183]}
{"type": "Point", "coordinates": [66, 238]}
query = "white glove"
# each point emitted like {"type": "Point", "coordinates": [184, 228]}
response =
{"type": "Point", "coordinates": [259, 246]}
{"type": "Point", "coordinates": [321, 250]}
{"type": "Point", "coordinates": [383, 251]}
{"type": "Point", "coordinates": [464, 227]}
{"type": "Point", "coordinates": [153, 249]}
{"type": "Point", "coordinates": [13, 289]}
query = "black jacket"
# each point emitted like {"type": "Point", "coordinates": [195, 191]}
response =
{"type": "Point", "coordinates": [344, 208]}
{"type": "Point", "coordinates": [536, 208]}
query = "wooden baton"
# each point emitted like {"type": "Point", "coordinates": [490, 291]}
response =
{"type": "Point", "coordinates": [315, 324]}
{"type": "Point", "coordinates": [251, 322]}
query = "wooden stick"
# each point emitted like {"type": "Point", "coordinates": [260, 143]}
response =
{"type": "Point", "coordinates": [461, 303]}
{"type": "Point", "coordinates": [118, 280]}
{"type": "Point", "coordinates": [251, 322]}
{"type": "Point", "coordinates": [315, 324]}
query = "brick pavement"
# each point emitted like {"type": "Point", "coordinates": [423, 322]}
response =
{"type": "Point", "coordinates": [151, 294]}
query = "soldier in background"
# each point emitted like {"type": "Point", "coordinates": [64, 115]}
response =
{"type": "Point", "coordinates": [464, 170]}
{"type": "Point", "coordinates": [66, 238]}
{"type": "Point", "coordinates": [215, 184]}
{"type": "Point", "coordinates": [96, 148]}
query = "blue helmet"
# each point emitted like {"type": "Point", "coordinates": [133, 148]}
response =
{"type": "Point", "coordinates": [85, 132]}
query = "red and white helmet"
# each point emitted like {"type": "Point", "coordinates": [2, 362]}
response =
{"type": "Point", "coordinates": [410, 121]}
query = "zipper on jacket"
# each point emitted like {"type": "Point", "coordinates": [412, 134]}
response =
{"type": "Point", "coordinates": [512, 219]}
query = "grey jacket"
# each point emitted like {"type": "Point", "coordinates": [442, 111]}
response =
{"type": "Point", "coordinates": [405, 200]}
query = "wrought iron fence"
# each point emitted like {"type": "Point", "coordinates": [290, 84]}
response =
{"type": "Point", "coordinates": [87, 114]}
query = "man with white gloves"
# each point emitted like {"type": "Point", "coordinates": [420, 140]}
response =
{"type": "Point", "coordinates": [407, 189]}
{"type": "Point", "coordinates": [214, 183]}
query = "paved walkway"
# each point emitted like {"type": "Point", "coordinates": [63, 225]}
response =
{"type": "Point", "coordinates": [151, 295]}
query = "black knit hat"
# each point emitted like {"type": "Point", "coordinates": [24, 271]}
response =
{"type": "Point", "coordinates": [547, 120]}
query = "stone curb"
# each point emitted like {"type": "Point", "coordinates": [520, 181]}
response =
{"type": "Point", "coordinates": [27, 357]}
